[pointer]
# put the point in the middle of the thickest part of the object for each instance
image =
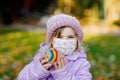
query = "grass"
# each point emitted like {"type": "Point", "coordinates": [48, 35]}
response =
{"type": "Point", "coordinates": [104, 56]}
{"type": "Point", "coordinates": [17, 48]}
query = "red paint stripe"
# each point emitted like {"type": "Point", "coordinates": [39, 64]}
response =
{"type": "Point", "coordinates": [56, 55]}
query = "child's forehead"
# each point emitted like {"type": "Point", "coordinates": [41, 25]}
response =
{"type": "Point", "coordinates": [68, 30]}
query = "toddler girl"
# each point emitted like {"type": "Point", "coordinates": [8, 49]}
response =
{"type": "Point", "coordinates": [64, 34]}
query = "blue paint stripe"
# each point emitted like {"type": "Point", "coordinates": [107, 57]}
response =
{"type": "Point", "coordinates": [51, 55]}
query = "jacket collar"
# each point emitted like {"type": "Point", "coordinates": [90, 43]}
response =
{"type": "Point", "coordinates": [76, 55]}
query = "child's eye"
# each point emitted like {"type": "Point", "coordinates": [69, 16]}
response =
{"type": "Point", "coordinates": [71, 37]}
{"type": "Point", "coordinates": [59, 37]}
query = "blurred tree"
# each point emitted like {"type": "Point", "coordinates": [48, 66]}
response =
{"type": "Point", "coordinates": [88, 11]}
{"type": "Point", "coordinates": [82, 5]}
{"type": "Point", "coordinates": [81, 8]}
{"type": "Point", "coordinates": [41, 6]}
{"type": "Point", "coordinates": [112, 11]}
{"type": "Point", "coordinates": [12, 10]}
{"type": "Point", "coordinates": [5, 12]}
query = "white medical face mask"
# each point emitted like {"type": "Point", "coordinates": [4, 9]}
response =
{"type": "Point", "coordinates": [64, 46]}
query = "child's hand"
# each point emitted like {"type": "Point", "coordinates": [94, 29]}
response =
{"type": "Point", "coordinates": [61, 62]}
{"type": "Point", "coordinates": [45, 63]}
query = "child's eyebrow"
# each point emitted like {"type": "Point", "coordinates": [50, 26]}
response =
{"type": "Point", "coordinates": [71, 36]}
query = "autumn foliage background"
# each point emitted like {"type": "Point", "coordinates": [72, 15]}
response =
{"type": "Point", "coordinates": [100, 20]}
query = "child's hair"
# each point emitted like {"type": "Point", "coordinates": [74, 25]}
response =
{"type": "Point", "coordinates": [57, 34]}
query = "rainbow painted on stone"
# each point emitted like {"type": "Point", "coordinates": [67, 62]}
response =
{"type": "Point", "coordinates": [52, 55]}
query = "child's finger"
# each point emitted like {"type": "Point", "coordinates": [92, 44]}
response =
{"type": "Point", "coordinates": [47, 66]}
{"type": "Point", "coordinates": [59, 62]}
{"type": "Point", "coordinates": [44, 60]}
{"type": "Point", "coordinates": [42, 57]}
{"type": "Point", "coordinates": [65, 60]}
{"type": "Point", "coordinates": [62, 61]}
{"type": "Point", "coordinates": [55, 65]}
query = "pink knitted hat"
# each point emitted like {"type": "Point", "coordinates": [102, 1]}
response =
{"type": "Point", "coordinates": [63, 20]}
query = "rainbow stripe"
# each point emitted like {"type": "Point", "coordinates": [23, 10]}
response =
{"type": "Point", "coordinates": [52, 55]}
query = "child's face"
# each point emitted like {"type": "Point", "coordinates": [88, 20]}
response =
{"type": "Point", "coordinates": [66, 42]}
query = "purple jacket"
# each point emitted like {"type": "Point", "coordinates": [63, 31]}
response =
{"type": "Point", "coordinates": [77, 68]}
